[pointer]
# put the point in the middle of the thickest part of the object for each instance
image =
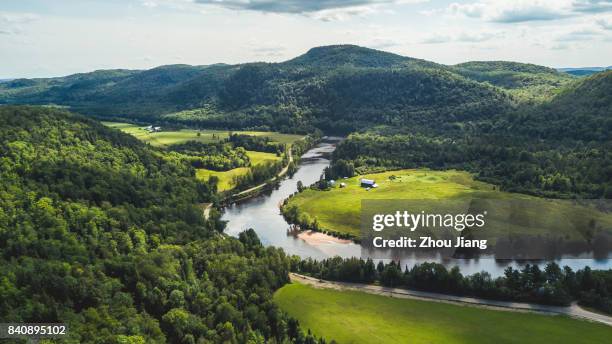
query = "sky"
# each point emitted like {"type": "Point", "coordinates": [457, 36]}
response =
{"type": "Point", "coordinates": [46, 38]}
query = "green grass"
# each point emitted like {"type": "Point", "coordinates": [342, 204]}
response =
{"type": "Point", "coordinates": [165, 138]}
{"type": "Point", "coordinates": [226, 178]}
{"type": "Point", "coordinates": [258, 158]}
{"type": "Point", "coordinates": [339, 209]}
{"type": "Point", "coordinates": [356, 317]}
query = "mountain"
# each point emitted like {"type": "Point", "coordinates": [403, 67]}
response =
{"type": "Point", "coordinates": [557, 148]}
{"type": "Point", "coordinates": [583, 71]}
{"type": "Point", "coordinates": [337, 88]}
{"type": "Point", "coordinates": [106, 234]}
{"type": "Point", "coordinates": [582, 110]}
{"type": "Point", "coordinates": [523, 80]}
{"type": "Point", "coordinates": [334, 56]}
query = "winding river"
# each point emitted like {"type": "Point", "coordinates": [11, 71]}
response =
{"type": "Point", "coordinates": [262, 213]}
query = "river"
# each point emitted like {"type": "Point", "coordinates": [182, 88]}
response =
{"type": "Point", "coordinates": [262, 213]}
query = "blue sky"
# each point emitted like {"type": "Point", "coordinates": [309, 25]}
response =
{"type": "Point", "coordinates": [58, 37]}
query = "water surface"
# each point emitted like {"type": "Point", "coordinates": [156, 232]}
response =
{"type": "Point", "coordinates": [262, 213]}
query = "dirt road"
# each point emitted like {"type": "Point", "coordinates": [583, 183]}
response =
{"type": "Point", "coordinates": [279, 175]}
{"type": "Point", "coordinates": [573, 311]}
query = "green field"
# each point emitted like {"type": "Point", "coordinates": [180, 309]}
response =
{"type": "Point", "coordinates": [226, 177]}
{"type": "Point", "coordinates": [338, 210]}
{"type": "Point", "coordinates": [356, 317]}
{"type": "Point", "coordinates": [165, 138]}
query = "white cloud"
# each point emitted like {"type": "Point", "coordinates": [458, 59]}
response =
{"type": "Point", "coordinates": [513, 11]}
{"type": "Point", "coordinates": [13, 23]}
{"type": "Point", "coordinates": [324, 10]}
{"type": "Point", "coordinates": [17, 18]}
{"type": "Point", "coordinates": [149, 3]}
{"type": "Point", "coordinates": [580, 35]}
{"type": "Point", "coordinates": [605, 23]}
{"type": "Point", "coordinates": [267, 49]}
{"type": "Point", "coordinates": [436, 39]}
{"type": "Point", "coordinates": [464, 37]}
{"type": "Point", "coordinates": [592, 6]}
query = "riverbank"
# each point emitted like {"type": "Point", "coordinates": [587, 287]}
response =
{"type": "Point", "coordinates": [296, 148]}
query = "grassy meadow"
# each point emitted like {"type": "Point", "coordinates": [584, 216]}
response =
{"type": "Point", "coordinates": [165, 138]}
{"type": "Point", "coordinates": [357, 317]}
{"type": "Point", "coordinates": [339, 209]}
{"type": "Point", "coordinates": [226, 177]}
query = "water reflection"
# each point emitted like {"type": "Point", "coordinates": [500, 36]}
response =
{"type": "Point", "coordinates": [262, 213]}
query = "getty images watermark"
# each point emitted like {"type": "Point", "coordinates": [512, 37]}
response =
{"type": "Point", "coordinates": [528, 228]}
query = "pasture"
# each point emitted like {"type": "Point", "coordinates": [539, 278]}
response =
{"type": "Point", "coordinates": [226, 178]}
{"type": "Point", "coordinates": [166, 138]}
{"type": "Point", "coordinates": [339, 209]}
{"type": "Point", "coordinates": [361, 318]}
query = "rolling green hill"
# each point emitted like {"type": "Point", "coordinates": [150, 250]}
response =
{"type": "Point", "coordinates": [334, 88]}
{"type": "Point", "coordinates": [580, 111]}
{"type": "Point", "coordinates": [557, 148]}
{"type": "Point", "coordinates": [338, 88]}
{"type": "Point", "coordinates": [523, 80]}
{"type": "Point", "coordinates": [106, 234]}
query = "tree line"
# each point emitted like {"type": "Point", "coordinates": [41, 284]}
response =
{"type": "Point", "coordinates": [551, 285]}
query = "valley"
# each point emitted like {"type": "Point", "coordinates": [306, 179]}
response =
{"type": "Point", "coordinates": [101, 220]}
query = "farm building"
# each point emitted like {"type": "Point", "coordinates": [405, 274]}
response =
{"type": "Point", "coordinates": [152, 129]}
{"type": "Point", "coordinates": [368, 183]}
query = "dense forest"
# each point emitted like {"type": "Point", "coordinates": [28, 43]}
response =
{"type": "Point", "coordinates": [560, 148]}
{"type": "Point", "coordinates": [335, 88]}
{"type": "Point", "coordinates": [218, 156]}
{"type": "Point", "coordinates": [105, 233]}
{"type": "Point", "coordinates": [552, 285]}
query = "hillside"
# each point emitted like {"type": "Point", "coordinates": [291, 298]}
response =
{"type": "Point", "coordinates": [334, 88]}
{"type": "Point", "coordinates": [583, 71]}
{"type": "Point", "coordinates": [525, 81]}
{"type": "Point", "coordinates": [115, 92]}
{"type": "Point", "coordinates": [337, 89]}
{"type": "Point", "coordinates": [559, 148]}
{"type": "Point", "coordinates": [334, 56]}
{"type": "Point", "coordinates": [104, 233]}
{"type": "Point", "coordinates": [580, 111]}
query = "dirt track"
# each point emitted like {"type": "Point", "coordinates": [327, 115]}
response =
{"type": "Point", "coordinates": [574, 310]}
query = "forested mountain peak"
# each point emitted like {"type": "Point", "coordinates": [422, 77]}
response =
{"type": "Point", "coordinates": [595, 90]}
{"type": "Point", "coordinates": [330, 87]}
{"type": "Point", "coordinates": [526, 81]}
{"type": "Point", "coordinates": [355, 56]}
{"type": "Point", "coordinates": [505, 66]}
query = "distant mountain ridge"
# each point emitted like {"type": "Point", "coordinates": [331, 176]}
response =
{"type": "Point", "coordinates": [583, 71]}
{"type": "Point", "coordinates": [337, 88]}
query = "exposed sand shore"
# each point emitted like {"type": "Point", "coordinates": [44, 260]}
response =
{"type": "Point", "coordinates": [317, 238]}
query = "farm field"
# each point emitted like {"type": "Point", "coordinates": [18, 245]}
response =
{"type": "Point", "coordinates": [339, 209]}
{"type": "Point", "coordinates": [357, 317]}
{"type": "Point", "coordinates": [226, 177]}
{"type": "Point", "coordinates": [165, 138]}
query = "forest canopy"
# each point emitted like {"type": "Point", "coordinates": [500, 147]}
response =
{"type": "Point", "coordinates": [105, 233]}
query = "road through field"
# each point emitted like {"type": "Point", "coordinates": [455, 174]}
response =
{"type": "Point", "coordinates": [574, 310]}
{"type": "Point", "coordinates": [279, 175]}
